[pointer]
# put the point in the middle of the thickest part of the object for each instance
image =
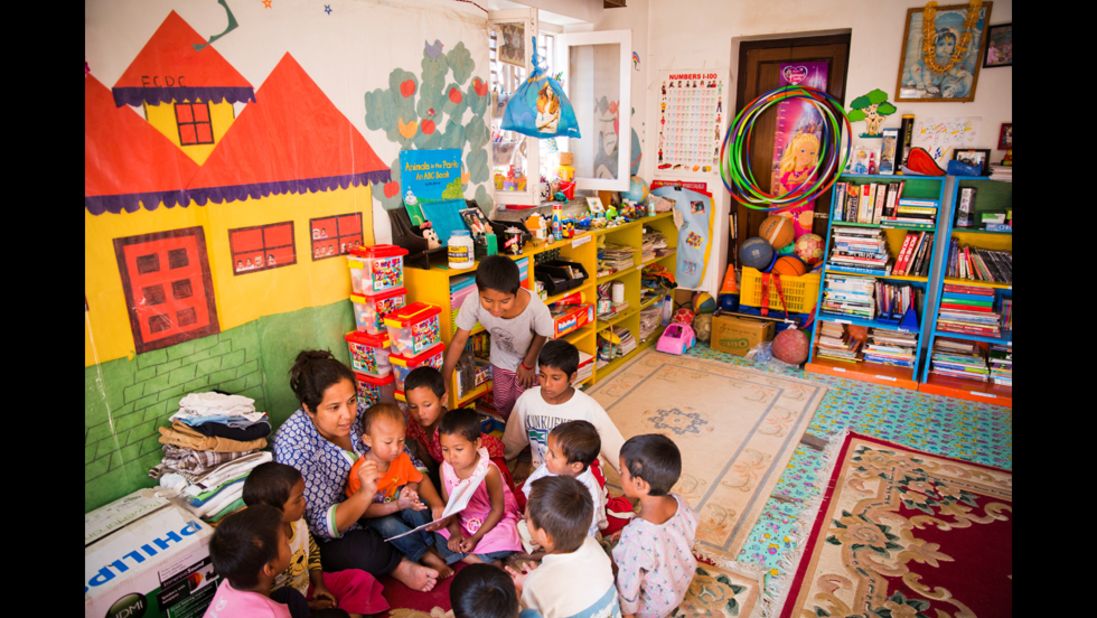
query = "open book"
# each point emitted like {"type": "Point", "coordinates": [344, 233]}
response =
{"type": "Point", "coordinates": [458, 499]}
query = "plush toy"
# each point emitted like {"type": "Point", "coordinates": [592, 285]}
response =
{"type": "Point", "coordinates": [432, 238]}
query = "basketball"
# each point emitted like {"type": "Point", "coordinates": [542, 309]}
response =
{"type": "Point", "coordinates": [777, 231]}
{"type": "Point", "coordinates": [789, 265]}
{"type": "Point", "coordinates": [809, 248]}
{"type": "Point", "coordinates": [756, 253]}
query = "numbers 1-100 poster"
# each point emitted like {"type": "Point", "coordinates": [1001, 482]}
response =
{"type": "Point", "coordinates": [691, 112]}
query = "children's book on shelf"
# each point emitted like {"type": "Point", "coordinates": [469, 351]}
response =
{"type": "Point", "coordinates": [959, 359]}
{"type": "Point", "coordinates": [889, 347]}
{"type": "Point", "coordinates": [1000, 358]}
{"type": "Point", "coordinates": [845, 295]}
{"type": "Point", "coordinates": [873, 203]}
{"type": "Point", "coordinates": [860, 250]}
{"type": "Point", "coordinates": [967, 262]}
{"type": "Point", "coordinates": [835, 343]}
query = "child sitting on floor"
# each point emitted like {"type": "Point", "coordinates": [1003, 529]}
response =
{"type": "Point", "coordinates": [486, 530]}
{"type": "Point", "coordinates": [397, 507]}
{"type": "Point", "coordinates": [353, 590]}
{"type": "Point", "coordinates": [556, 401]}
{"type": "Point", "coordinates": [654, 558]}
{"type": "Point", "coordinates": [575, 577]}
{"type": "Point", "coordinates": [483, 591]}
{"type": "Point", "coordinates": [572, 447]}
{"type": "Point", "coordinates": [424, 389]}
{"type": "Point", "coordinates": [248, 549]}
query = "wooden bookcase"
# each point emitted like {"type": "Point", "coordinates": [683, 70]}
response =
{"type": "Point", "coordinates": [990, 195]}
{"type": "Point", "coordinates": [432, 285]}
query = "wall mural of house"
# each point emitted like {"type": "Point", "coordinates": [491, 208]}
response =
{"type": "Point", "coordinates": [213, 237]}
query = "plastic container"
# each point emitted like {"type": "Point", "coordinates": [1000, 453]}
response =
{"type": "Point", "coordinates": [370, 310]}
{"type": "Point", "coordinates": [373, 390]}
{"type": "Point", "coordinates": [376, 269]}
{"type": "Point", "coordinates": [403, 365]}
{"type": "Point", "coordinates": [414, 328]}
{"type": "Point", "coordinates": [461, 250]}
{"type": "Point", "coordinates": [369, 354]}
{"type": "Point", "coordinates": [801, 292]}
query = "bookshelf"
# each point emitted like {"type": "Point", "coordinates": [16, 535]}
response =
{"type": "Point", "coordinates": [434, 285]}
{"type": "Point", "coordinates": [990, 196]}
{"type": "Point", "coordinates": [892, 349]}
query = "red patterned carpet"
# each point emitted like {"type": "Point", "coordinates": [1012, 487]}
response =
{"type": "Point", "coordinates": [902, 533]}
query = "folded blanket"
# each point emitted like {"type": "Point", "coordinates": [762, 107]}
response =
{"type": "Point", "coordinates": [179, 434]}
{"type": "Point", "coordinates": [253, 431]}
{"type": "Point", "coordinates": [180, 459]}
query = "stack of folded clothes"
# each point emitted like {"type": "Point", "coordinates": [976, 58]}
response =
{"type": "Point", "coordinates": [213, 443]}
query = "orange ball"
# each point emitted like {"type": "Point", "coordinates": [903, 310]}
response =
{"type": "Point", "coordinates": [777, 231]}
{"type": "Point", "coordinates": [789, 265]}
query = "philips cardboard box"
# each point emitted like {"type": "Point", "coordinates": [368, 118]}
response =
{"type": "Point", "coordinates": [736, 335]}
{"type": "Point", "coordinates": [146, 557]}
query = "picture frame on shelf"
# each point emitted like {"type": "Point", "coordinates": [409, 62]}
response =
{"type": "Point", "coordinates": [974, 156]}
{"type": "Point", "coordinates": [999, 46]}
{"type": "Point", "coordinates": [951, 72]}
{"type": "Point", "coordinates": [594, 204]}
{"type": "Point", "coordinates": [1005, 136]}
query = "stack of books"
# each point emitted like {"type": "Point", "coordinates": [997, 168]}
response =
{"type": "Point", "coordinates": [1001, 364]}
{"type": "Point", "coordinates": [1001, 172]}
{"type": "Point", "coordinates": [846, 295]}
{"type": "Point", "coordinates": [914, 256]}
{"type": "Point", "coordinates": [1007, 314]}
{"type": "Point", "coordinates": [958, 359]}
{"type": "Point", "coordinates": [893, 300]}
{"type": "Point", "coordinates": [859, 250]}
{"type": "Point", "coordinates": [871, 203]}
{"type": "Point", "coordinates": [976, 264]}
{"type": "Point", "coordinates": [653, 244]}
{"type": "Point", "coordinates": [586, 367]}
{"type": "Point", "coordinates": [968, 310]}
{"type": "Point", "coordinates": [890, 347]}
{"type": "Point", "coordinates": [614, 258]}
{"type": "Point", "coordinates": [836, 344]}
{"type": "Point", "coordinates": [913, 212]}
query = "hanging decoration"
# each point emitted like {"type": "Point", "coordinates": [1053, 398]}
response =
{"type": "Point", "coordinates": [735, 164]}
{"type": "Point", "coordinates": [540, 107]}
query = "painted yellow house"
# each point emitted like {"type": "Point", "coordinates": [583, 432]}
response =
{"type": "Point", "coordinates": [176, 251]}
{"type": "Point", "coordinates": [187, 94]}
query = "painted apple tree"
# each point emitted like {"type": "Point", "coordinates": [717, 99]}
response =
{"type": "Point", "coordinates": [443, 107]}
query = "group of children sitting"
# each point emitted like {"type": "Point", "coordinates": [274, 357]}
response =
{"type": "Point", "coordinates": [531, 547]}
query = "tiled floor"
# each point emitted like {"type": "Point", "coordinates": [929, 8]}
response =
{"type": "Point", "coordinates": [965, 430]}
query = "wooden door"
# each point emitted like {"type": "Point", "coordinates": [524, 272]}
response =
{"type": "Point", "coordinates": [759, 63]}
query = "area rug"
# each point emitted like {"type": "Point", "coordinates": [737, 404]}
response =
{"type": "Point", "coordinates": [904, 533]}
{"type": "Point", "coordinates": [407, 603]}
{"type": "Point", "coordinates": [721, 591]}
{"type": "Point", "coordinates": [736, 428]}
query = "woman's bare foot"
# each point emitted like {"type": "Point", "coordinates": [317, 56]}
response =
{"type": "Point", "coordinates": [415, 576]}
{"type": "Point", "coordinates": [434, 561]}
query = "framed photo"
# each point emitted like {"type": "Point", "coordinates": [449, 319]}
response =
{"type": "Point", "coordinates": [999, 46]}
{"type": "Point", "coordinates": [512, 43]}
{"type": "Point", "coordinates": [922, 81]}
{"type": "Point", "coordinates": [974, 156]}
{"type": "Point", "coordinates": [1005, 136]}
{"type": "Point", "coordinates": [594, 204]}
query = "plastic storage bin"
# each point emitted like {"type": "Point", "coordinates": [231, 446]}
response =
{"type": "Point", "coordinates": [402, 365]}
{"type": "Point", "coordinates": [370, 310]}
{"type": "Point", "coordinates": [801, 292]}
{"type": "Point", "coordinates": [376, 269]}
{"type": "Point", "coordinates": [414, 328]}
{"type": "Point", "coordinates": [369, 353]}
{"type": "Point", "coordinates": [372, 390]}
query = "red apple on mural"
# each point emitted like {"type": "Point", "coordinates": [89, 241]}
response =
{"type": "Point", "coordinates": [392, 188]}
{"type": "Point", "coordinates": [480, 86]}
{"type": "Point", "coordinates": [455, 96]}
{"type": "Point", "coordinates": [407, 88]}
{"type": "Point", "coordinates": [427, 126]}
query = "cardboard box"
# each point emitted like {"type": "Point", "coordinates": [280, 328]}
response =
{"type": "Point", "coordinates": [736, 335]}
{"type": "Point", "coordinates": [571, 319]}
{"type": "Point", "coordinates": [144, 556]}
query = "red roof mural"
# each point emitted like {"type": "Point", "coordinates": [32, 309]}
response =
{"type": "Point", "coordinates": [292, 139]}
{"type": "Point", "coordinates": [169, 68]}
{"type": "Point", "coordinates": [126, 160]}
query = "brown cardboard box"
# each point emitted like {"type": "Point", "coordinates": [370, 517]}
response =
{"type": "Point", "coordinates": [683, 298]}
{"type": "Point", "coordinates": [736, 335]}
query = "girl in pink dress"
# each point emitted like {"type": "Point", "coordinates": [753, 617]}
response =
{"type": "Point", "coordinates": [487, 529]}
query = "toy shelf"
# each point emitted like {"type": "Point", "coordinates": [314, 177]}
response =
{"type": "Point", "coordinates": [919, 187]}
{"type": "Point", "coordinates": [432, 285]}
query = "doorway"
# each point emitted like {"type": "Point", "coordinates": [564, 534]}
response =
{"type": "Point", "coordinates": [760, 64]}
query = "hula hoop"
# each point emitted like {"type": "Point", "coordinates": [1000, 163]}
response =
{"type": "Point", "coordinates": [735, 168]}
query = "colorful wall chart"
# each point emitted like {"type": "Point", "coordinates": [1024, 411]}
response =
{"type": "Point", "coordinates": [691, 115]}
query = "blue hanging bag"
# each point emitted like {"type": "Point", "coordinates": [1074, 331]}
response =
{"type": "Point", "coordinates": [540, 108]}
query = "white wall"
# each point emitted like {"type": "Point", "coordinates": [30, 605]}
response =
{"type": "Point", "coordinates": [699, 34]}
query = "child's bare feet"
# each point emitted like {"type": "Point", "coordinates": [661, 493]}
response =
{"type": "Point", "coordinates": [415, 576]}
{"type": "Point", "coordinates": [471, 559]}
{"type": "Point", "coordinates": [434, 561]}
